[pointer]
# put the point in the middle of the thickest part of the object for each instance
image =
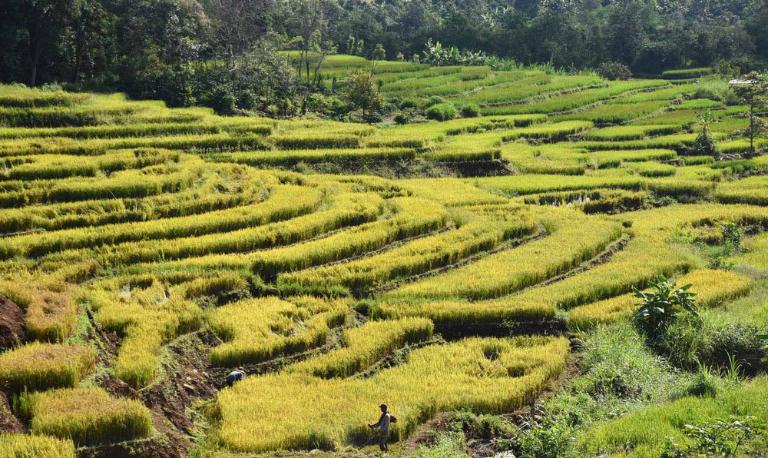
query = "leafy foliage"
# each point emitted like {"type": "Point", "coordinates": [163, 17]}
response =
{"type": "Point", "coordinates": [661, 306]}
{"type": "Point", "coordinates": [614, 71]}
{"type": "Point", "coordinates": [362, 93]}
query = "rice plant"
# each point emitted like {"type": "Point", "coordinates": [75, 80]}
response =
{"type": "Point", "coordinates": [28, 446]}
{"type": "Point", "coordinates": [481, 375]}
{"type": "Point", "coordinates": [38, 366]}
{"type": "Point", "coordinates": [365, 345]}
{"type": "Point", "coordinates": [88, 416]}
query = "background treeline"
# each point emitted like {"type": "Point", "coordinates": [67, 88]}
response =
{"type": "Point", "coordinates": [221, 53]}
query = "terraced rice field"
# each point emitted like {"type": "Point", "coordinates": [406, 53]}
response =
{"type": "Point", "coordinates": [130, 229]}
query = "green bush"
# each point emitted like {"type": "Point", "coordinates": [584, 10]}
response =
{"type": "Point", "coordinates": [704, 144]}
{"type": "Point", "coordinates": [470, 111]}
{"type": "Point", "coordinates": [441, 112]}
{"type": "Point", "coordinates": [434, 100]}
{"type": "Point", "coordinates": [660, 308]}
{"type": "Point", "coordinates": [690, 342]}
{"type": "Point", "coordinates": [703, 385]}
{"type": "Point", "coordinates": [617, 364]}
{"type": "Point", "coordinates": [614, 71]}
{"type": "Point", "coordinates": [409, 103]}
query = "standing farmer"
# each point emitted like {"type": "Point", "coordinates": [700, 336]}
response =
{"type": "Point", "coordinates": [383, 425]}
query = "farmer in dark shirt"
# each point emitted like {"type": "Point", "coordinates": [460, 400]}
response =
{"type": "Point", "coordinates": [235, 376]}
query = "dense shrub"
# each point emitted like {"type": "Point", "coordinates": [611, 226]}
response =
{"type": "Point", "coordinates": [704, 144]}
{"type": "Point", "coordinates": [688, 343]}
{"type": "Point", "coordinates": [362, 93]}
{"type": "Point", "coordinates": [661, 307]}
{"type": "Point", "coordinates": [614, 71]}
{"type": "Point", "coordinates": [441, 112]}
{"type": "Point", "coordinates": [434, 100]}
{"type": "Point", "coordinates": [470, 111]}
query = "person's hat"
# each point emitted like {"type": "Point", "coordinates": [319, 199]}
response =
{"type": "Point", "coordinates": [383, 406]}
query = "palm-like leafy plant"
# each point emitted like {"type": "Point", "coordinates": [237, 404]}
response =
{"type": "Point", "coordinates": [661, 306]}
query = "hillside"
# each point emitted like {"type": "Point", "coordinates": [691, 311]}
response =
{"type": "Point", "coordinates": [470, 265]}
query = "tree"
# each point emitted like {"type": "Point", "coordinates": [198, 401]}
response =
{"type": "Point", "coordinates": [239, 24]}
{"type": "Point", "coordinates": [362, 93]}
{"type": "Point", "coordinates": [312, 25]}
{"type": "Point", "coordinates": [704, 144]}
{"type": "Point", "coordinates": [379, 53]}
{"type": "Point", "coordinates": [92, 41]}
{"type": "Point", "coordinates": [45, 24]}
{"type": "Point", "coordinates": [752, 89]}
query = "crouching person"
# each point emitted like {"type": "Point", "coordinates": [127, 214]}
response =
{"type": "Point", "coordinates": [235, 376]}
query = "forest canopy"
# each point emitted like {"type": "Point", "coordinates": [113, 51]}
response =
{"type": "Point", "coordinates": [186, 51]}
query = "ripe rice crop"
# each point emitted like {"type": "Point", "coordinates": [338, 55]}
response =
{"type": "Point", "coordinates": [257, 330]}
{"type": "Point", "coordinates": [412, 258]}
{"type": "Point", "coordinates": [698, 160]}
{"type": "Point", "coordinates": [667, 93]}
{"type": "Point", "coordinates": [676, 142]}
{"type": "Point", "coordinates": [608, 158]}
{"type": "Point", "coordinates": [549, 132]}
{"type": "Point", "coordinates": [653, 169]}
{"type": "Point", "coordinates": [618, 133]}
{"type": "Point", "coordinates": [128, 184]}
{"type": "Point", "coordinates": [21, 96]}
{"type": "Point", "coordinates": [480, 375]}
{"type": "Point", "coordinates": [138, 130]}
{"type": "Point", "coordinates": [155, 224]}
{"type": "Point", "coordinates": [756, 254]}
{"type": "Point", "coordinates": [572, 239]}
{"type": "Point", "coordinates": [458, 318]}
{"type": "Point", "coordinates": [50, 310]}
{"type": "Point", "coordinates": [413, 217]}
{"type": "Point", "coordinates": [646, 256]}
{"type": "Point", "coordinates": [698, 104]}
{"type": "Point", "coordinates": [62, 166]}
{"type": "Point", "coordinates": [314, 141]}
{"type": "Point", "coordinates": [595, 201]}
{"type": "Point", "coordinates": [292, 157]}
{"type": "Point", "coordinates": [284, 202]}
{"type": "Point", "coordinates": [146, 319]}
{"type": "Point", "coordinates": [60, 116]}
{"type": "Point", "coordinates": [450, 191]}
{"type": "Point", "coordinates": [88, 416]}
{"type": "Point", "coordinates": [534, 184]}
{"type": "Point", "coordinates": [546, 159]}
{"type": "Point", "coordinates": [347, 210]}
{"type": "Point", "coordinates": [37, 366]}
{"type": "Point", "coordinates": [751, 190]}
{"type": "Point", "coordinates": [27, 446]}
{"type": "Point", "coordinates": [712, 287]}
{"type": "Point", "coordinates": [213, 143]}
{"type": "Point", "coordinates": [365, 345]}
{"type": "Point", "coordinates": [215, 192]}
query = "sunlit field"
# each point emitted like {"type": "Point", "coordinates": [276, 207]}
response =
{"type": "Point", "coordinates": [434, 266]}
